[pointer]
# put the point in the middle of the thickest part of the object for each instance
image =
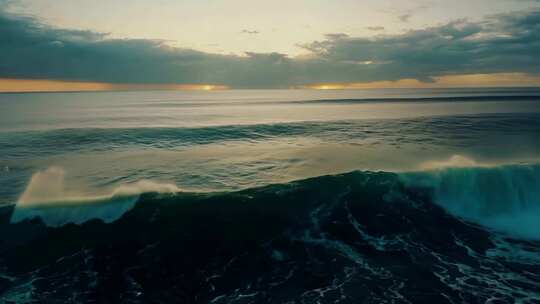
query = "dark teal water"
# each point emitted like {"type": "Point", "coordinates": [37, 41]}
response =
{"type": "Point", "coordinates": [197, 197]}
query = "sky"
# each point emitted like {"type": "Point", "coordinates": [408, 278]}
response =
{"type": "Point", "coordinates": [208, 44]}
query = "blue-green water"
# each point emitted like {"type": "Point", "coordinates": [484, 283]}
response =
{"type": "Point", "coordinates": [454, 207]}
{"type": "Point", "coordinates": [239, 139]}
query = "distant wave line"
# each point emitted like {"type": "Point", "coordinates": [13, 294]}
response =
{"type": "Point", "coordinates": [206, 103]}
{"type": "Point", "coordinates": [428, 99]}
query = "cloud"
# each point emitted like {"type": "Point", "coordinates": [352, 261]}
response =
{"type": "Point", "coordinates": [335, 36]}
{"type": "Point", "coordinates": [251, 32]}
{"type": "Point", "coordinates": [502, 43]}
{"type": "Point", "coordinates": [375, 28]}
{"type": "Point", "coordinates": [405, 17]}
{"type": "Point", "coordinates": [508, 43]}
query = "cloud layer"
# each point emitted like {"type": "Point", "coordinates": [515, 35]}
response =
{"type": "Point", "coordinates": [500, 44]}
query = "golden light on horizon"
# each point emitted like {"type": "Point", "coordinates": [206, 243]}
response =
{"type": "Point", "coordinates": [39, 85]}
{"type": "Point", "coordinates": [333, 86]}
{"type": "Point", "coordinates": [448, 81]}
{"type": "Point", "coordinates": [209, 87]}
{"type": "Point", "coordinates": [471, 80]}
{"type": "Point", "coordinates": [169, 87]}
{"type": "Point", "coordinates": [8, 85]}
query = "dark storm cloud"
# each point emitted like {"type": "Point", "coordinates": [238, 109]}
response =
{"type": "Point", "coordinates": [504, 43]}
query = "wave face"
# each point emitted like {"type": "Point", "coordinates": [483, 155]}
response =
{"type": "Point", "coordinates": [504, 198]}
{"type": "Point", "coordinates": [361, 237]}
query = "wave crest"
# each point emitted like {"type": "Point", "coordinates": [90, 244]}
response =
{"type": "Point", "coordinates": [504, 198]}
{"type": "Point", "coordinates": [46, 197]}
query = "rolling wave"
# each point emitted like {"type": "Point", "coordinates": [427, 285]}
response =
{"type": "Point", "coordinates": [470, 98]}
{"type": "Point", "coordinates": [459, 131]}
{"type": "Point", "coordinates": [429, 236]}
{"type": "Point", "coordinates": [253, 102]}
{"type": "Point", "coordinates": [505, 197]}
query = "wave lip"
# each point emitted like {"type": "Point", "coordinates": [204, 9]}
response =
{"type": "Point", "coordinates": [46, 198]}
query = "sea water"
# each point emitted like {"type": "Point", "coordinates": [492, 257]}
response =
{"type": "Point", "coordinates": [271, 196]}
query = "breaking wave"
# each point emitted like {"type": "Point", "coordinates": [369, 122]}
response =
{"type": "Point", "coordinates": [505, 198]}
{"type": "Point", "coordinates": [445, 235]}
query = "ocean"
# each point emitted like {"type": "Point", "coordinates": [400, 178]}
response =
{"type": "Point", "coordinates": [271, 196]}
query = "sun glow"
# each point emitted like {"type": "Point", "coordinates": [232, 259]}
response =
{"type": "Point", "coordinates": [45, 85]}
{"type": "Point", "coordinates": [447, 81]}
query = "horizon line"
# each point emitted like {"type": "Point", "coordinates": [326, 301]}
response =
{"type": "Point", "coordinates": [496, 80]}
